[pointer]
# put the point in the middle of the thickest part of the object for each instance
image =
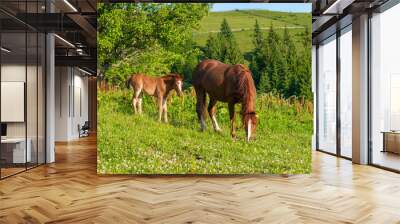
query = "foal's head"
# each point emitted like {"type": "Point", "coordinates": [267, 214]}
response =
{"type": "Point", "coordinates": [177, 81]}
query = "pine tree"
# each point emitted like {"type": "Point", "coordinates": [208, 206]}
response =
{"type": "Point", "coordinates": [304, 66]}
{"type": "Point", "coordinates": [255, 69]}
{"type": "Point", "coordinates": [304, 76]}
{"type": "Point", "coordinates": [290, 55]}
{"type": "Point", "coordinates": [256, 63]}
{"type": "Point", "coordinates": [281, 73]}
{"type": "Point", "coordinates": [230, 51]}
{"type": "Point", "coordinates": [272, 35]}
{"type": "Point", "coordinates": [264, 84]}
{"type": "Point", "coordinates": [225, 30]}
{"type": "Point", "coordinates": [257, 37]}
{"type": "Point", "coordinates": [306, 37]}
{"type": "Point", "coordinates": [274, 61]}
{"type": "Point", "coordinates": [223, 47]}
{"type": "Point", "coordinates": [213, 49]}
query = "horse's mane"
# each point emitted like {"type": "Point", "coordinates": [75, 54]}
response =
{"type": "Point", "coordinates": [247, 89]}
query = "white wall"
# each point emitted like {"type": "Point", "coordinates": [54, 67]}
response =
{"type": "Point", "coordinates": [62, 82]}
{"type": "Point", "coordinates": [71, 87]}
{"type": "Point", "coordinates": [13, 72]}
{"type": "Point", "coordinates": [80, 109]}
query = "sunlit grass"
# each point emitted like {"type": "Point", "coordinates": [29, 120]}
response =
{"type": "Point", "coordinates": [139, 144]}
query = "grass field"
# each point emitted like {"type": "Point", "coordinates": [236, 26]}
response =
{"type": "Point", "coordinates": [138, 144]}
{"type": "Point", "coordinates": [242, 24]}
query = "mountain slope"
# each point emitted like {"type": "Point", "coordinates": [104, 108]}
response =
{"type": "Point", "coordinates": [242, 25]}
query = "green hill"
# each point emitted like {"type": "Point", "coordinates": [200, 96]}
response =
{"type": "Point", "coordinates": [242, 24]}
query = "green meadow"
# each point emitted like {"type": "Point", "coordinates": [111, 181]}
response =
{"type": "Point", "coordinates": [139, 144]}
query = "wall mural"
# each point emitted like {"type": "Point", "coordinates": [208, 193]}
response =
{"type": "Point", "coordinates": [204, 89]}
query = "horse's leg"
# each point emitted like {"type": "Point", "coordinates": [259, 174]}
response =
{"type": "Point", "coordinates": [212, 109]}
{"type": "Point", "coordinates": [232, 118]}
{"type": "Point", "coordinates": [160, 107]}
{"type": "Point", "coordinates": [165, 109]}
{"type": "Point", "coordinates": [201, 102]}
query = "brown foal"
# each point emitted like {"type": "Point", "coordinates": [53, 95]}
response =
{"type": "Point", "coordinates": [154, 86]}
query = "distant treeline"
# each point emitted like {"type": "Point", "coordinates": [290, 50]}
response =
{"type": "Point", "coordinates": [158, 38]}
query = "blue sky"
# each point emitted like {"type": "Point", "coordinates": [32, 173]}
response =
{"type": "Point", "coordinates": [284, 7]}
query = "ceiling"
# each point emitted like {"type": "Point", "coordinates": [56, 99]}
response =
{"type": "Point", "coordinates": [330, 15]}
{"type": "Point", "coordinates": [74, 22]}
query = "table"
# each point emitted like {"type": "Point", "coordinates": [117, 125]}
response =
{"type": "Point", "coordinates": [391, 141]}
{"type": "Point", "coordinates": [13, 150]}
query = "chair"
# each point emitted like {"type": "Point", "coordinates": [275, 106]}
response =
{"type": "Point", "coordinates": [84, 130]}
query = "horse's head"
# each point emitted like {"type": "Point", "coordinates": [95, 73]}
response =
{"type": "Point", "coordinates": [178, 84]}
{"type": "Point", "coordinates": [250, 125]}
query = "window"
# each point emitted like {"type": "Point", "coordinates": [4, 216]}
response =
{"type": "Point", "coordinates": [22, 77]}
{"type": "Point", "coordinates": [346, 92]}
{"type": "Point", "coordinates": [327, 95]}
{"type": "Point", "coordinates": [385, 89]}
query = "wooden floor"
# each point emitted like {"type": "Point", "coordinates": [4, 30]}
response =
{"type": "Point", "coordinates": [5, 172]}
{"type": "Point", "coordinates": [387, 159]}
{"type": "Point", "coordinates": [70, 191]}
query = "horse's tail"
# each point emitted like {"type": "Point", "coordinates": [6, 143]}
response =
{"type": "Point", "coordinates": [128, 82]}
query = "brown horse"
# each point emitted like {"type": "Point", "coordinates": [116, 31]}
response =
{"type": "Point", "coordinates": [227, 83]}
{"type": "Point", "coordinates": [154, 86]}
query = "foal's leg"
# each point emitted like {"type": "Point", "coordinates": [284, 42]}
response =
{"type": "Point", "coordinates": [160, 107]}
{"type": "Point", "coordinates": [212, 109]}
{"type": "Point", "coordinates": [165, 109]}
{"type": "Point", "coordinates": [201, 102]}
{"type": "Point", "coordinates": [140, 105]}
{"type": "Point", "coordinates": [134, 101]}
{"type": "Point", "coordinates": [232, 118]}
